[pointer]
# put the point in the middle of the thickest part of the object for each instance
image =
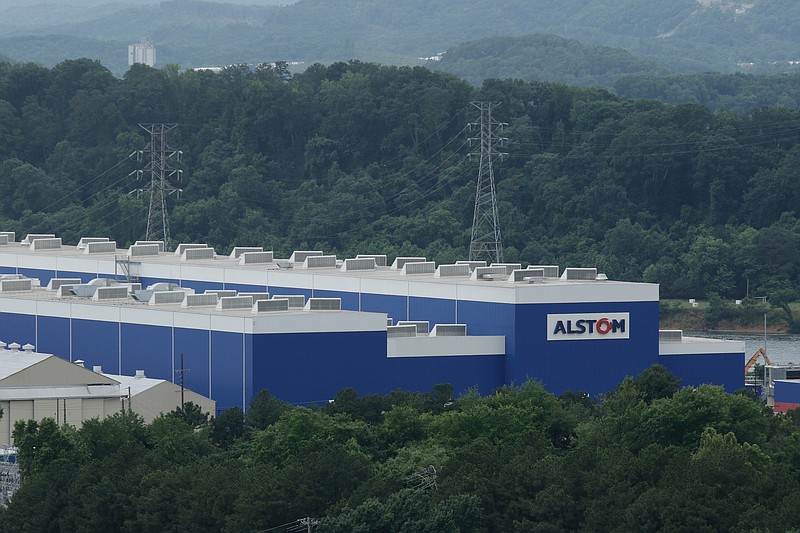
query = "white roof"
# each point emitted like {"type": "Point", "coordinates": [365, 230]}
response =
{"type": "Point", "coordinates": [13, 361]}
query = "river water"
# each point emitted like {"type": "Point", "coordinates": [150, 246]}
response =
{"type": "Point", "coordinates": [781, 348]}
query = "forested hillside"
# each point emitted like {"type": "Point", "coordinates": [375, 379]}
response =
{"type": "Point", "coordinates": [647, 458]}
{"type": "Point", "coordinates": [360, 158]}
{"type": "Point", "coordinates": [682, 35]}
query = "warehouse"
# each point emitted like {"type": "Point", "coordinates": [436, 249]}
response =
{"type": "Point", "coordinates": [467, 323]}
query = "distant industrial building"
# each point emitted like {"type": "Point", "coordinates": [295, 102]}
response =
{"type": "Point", "coordinates": [142, 52]}
{"type": "Point", "coordinates": [307, 326]}
{"type": "Point", "coordinates": [35, 386]}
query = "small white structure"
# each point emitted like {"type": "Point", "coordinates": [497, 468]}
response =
{"type": "Point", "coordinates": [142, 52]}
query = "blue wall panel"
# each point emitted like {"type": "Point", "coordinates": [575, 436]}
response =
{"type": "Point", "coordinates": [194, 344]}
{"type": "Point", "coordinates": [85, 277]}
{"type": "Point", "coordinates": [349, 299]}
{"type": "Point", "coordinates": [97, 343]}
{"type": "Point", "coordinates": [8, 270]}
{"type": "Point", "coordinates": [434, 310]}
{"type": "Point", "coordinates": [308, 368]}
{"type": "Point", "coordinates": [422, 373]}
{"type": "Point", "coordinates": [593, 366]}
{"type": "Point", "coordinates": [44, 276]}
{"type": "Point", "coordinates": [53, 336]}
{"type": "Point", "coordinates": [787, 392]}
{"type": "Point", "coordinates": [17, 328]}
{"type": "Point", "coordinates": [693, 370]}
{"type": "Point", "coordinates": [395, 307]}
{"type": "Point", "coordinates": [227, 369]}
{"type": "Point", "coordinates": [147, 348]}
{"type": "Point", "coordinates": [241, 287]}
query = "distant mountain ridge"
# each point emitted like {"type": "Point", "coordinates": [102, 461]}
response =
{"type": "Point", "coordinates": [682, 35]}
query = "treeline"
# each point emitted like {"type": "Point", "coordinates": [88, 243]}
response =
{"type": "Point", "coordinates": [361, 158]}
{"type": "Point", "coordinates": [648, 457]}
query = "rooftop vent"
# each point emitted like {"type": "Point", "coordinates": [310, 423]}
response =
{"type": "Point", "coordinates": [411, 268]}
{"type": "Point", "coordinates": [550, 271]}
{"type": "Point", "coordinates": [670, 335]}
{"type": "Point", "coordinates": [296, 301]}
{"type": "Point", "coordinates": [110, 293]}
{"type": "Point", "coordinates": [104, 282]}
{"type": "Point", "coordinates": [299, 256]}
{"type": "Point", "coordinates": [359, 263]}
{"type": "Point", "coordinates": [3, 240]}
{"type": "Point", "coordinates": [529, 274]}
{"type": "Point", "coordinates": [320, 261]}
{"type": "Point", "coordinates": [12, 236]}
{"type": "Point", "coordinates": [66, 290]}
{"type": "Point", "coordinates": [271, 306]}
{"type": "Point", "coordinates": [423, 326]}
{"type": "Point", "coordinates": [398, 331]}
{"type": "Point", "coordinates": [193, 254]}
{"type": "Point", "coordinates": [256, 296]}
{"type": "Point", "coordinates": [104, 247]}
{"type": "Point", "coordinates": [323, 304]}
{"type": "Point", "coordinates": [579, 274]}
{"type": "Point", "coordinates": [380, 260]}
{"type": "Point", "coordinates": [445, 271]}
{"type": "Point", "coordinates": [139, 374]}
{"type": "Point", "coordinates": [165, 286]}
{"type": "Point", "coordinates": [16, 285]}
{"type": "Point", "coordinates": [28, 348]}
{"type": "Point", "coordinates": [400, 261]}
{"type": "Point", "coordinates": [186, 246]}
{"type": "Point", "coordinates": [86, 240]}
{"type": "Point", "coordinates": [165, 297]}
{"type": "Point", "coordinates": [45, 244]}
{"type": "Point", "coordinates": [30, 237]}
{"type": "Point", "coordinates": [14, 346]}
{"type": "Point", "coordinates": [449, 330]}
{"type": "Point", "coordinates": [252, 258]}
{"type": "Point", "coordinates": [55, 283]}
{"type": "Point", "coordinates": [472, 264]}
{"type": "Point", "coordinates": [97, 369]}
{"type": "Point", "coordinates": [139, 250]}
{"type": "Point", "coordinates": [160, 244]}
{"type": "Point", "coordinates": [489, 273]}
{"type": "Point", "coordinates": [229, 303]}
{"type": "Point", "coordinates": [389, 321]}
{"type": "Point", "coordinates": [239, 250]}
{"type": "Point", "coordinates": [200, 300]}
{"type": "Point", "coordinates": [510, 267]}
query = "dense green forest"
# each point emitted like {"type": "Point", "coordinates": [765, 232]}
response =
{"type": "Point", "coordinates": [361, 158]}
{"type": "Point", "coordinates": [648, 457]}
{"type": "Point", "coordinates": [681, 35]}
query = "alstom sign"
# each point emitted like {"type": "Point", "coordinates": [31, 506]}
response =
{"type": "Point", "coordinates": [588, 326]}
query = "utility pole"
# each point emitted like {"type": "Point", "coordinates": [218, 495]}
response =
{"type": "Point", "coordinates": [159, 187]}
{"type": "Point", "coordinates": [486, 242]}
{"type": "Point", "coordinates": [182, 371]}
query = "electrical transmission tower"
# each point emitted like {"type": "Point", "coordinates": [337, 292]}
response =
{"type": "Point", "coordinates": [486, 243]}
{"type": "Point", "coordinates": [159, 187]}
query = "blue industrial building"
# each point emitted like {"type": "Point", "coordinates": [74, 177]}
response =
{"type": "Point", "coordinates": [491, 325]}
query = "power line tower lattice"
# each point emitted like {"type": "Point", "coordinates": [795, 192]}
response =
{"type": "Point", "coordinates": [159, 188]}
{"type": "Point", "coordinates": [486, 243]}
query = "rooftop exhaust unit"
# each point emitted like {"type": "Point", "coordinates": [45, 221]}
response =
{"type": "Point", "coordinates": [323, 304]}
{"type": "Point", "coordinates": [449, 330]}
{"type": "Point", "coordinates": [320, 261]}
{"type": "Point", "coordinates": [400, 261]}
{"type": "Point", "coordinates": [200, 300]}
{"type": "Point", "coordinates": [252, 258]}
{"type": "Point", "coordinates": [166, 297]}
{"type": "Point", "coordinates": [670, 335]}
{"type": "Point", "coordinates": [194, 254]}
{"type": "Point", "coordinates": [398, 331]}
{"type": "Point", "coordinates": [221, 293]}
{"type": "Point", "coordinates": [55, 283]}
{"type": "Point", "coordinates": [579, 274]}
{"type": "Point", "coordinates": [256, 296]}
{"type": "Point", "coordinates": [550, 271]}
{"type": "Point", "coordinates": [186, 246]}
{"type": "Point", "coordinates": [239, 250]}
{"type": "Point", "coordinates": [489, 273]}
{"type": "Point", "coordinates": [411, 268]}
{"type": "Point", "coordinates": [230, 303]}
{"type": "Point", "coordinates": [380, 260]}
{"type": "Point", "coordinates": [271, 306]}
{"type": "Point", "coordinates": [140, 250]}
{"type": "Point", "coordinates": [445, 271]}
{"type": "Point", "coordinates": [160, 244]}
{"type": "Point", "coordinates": [86, 240]}
{"type": "Point", "coordinates": [359, 263]}
{"type": "Point", "coordinates": [110, 293]}
{"type": "Point", "coordinates": [30, 237]}
{"type": "Point", "coordinates": [299, 256]}
{"type": "Point", "coordinates": [472, 264]}
{"type": "Point", "coordinates": [423, 326]}
{"type": "Point", "coordinates": [529, 275]}
{"type": "Point", "coordinates": [3, 240]}
{"type": "Point", "coordinates": [12, 236]}
{"type": "Point", "coordinates": [510, 267]}
{"type": "Point", "coordinates": [100, 247]}
{"type": "Point", "coordinates": [296, 301]}
{"type": "Point", "coordinates": [45, 244]}
{"type": "Point", "coordinates": [16, 285]}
